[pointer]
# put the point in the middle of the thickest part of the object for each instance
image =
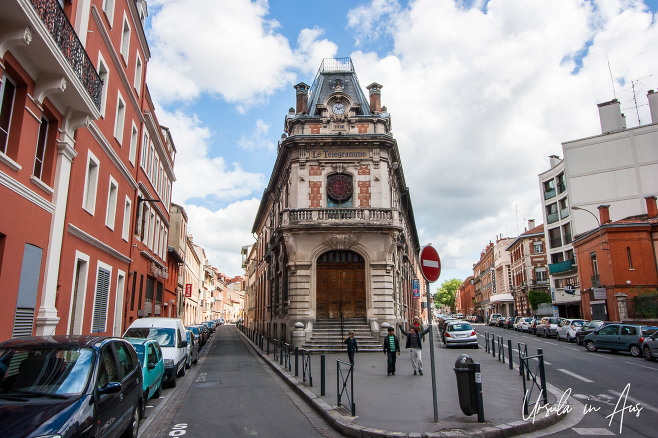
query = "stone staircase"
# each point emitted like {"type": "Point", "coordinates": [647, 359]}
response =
{"type": "Point", "coordinates": [326, 337]}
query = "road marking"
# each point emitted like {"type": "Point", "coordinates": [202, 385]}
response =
{"type": "Point", "coordinates": [638, 365]}
{"type": "Point", "coordinates": [577, 376]}
{"type": "Point", "coordinates": [603, 356]}
{"type": "Point", "coordinates": [149, 406]}
{"type": "Point", "coordinates": [571, 348]}
{"type": "Point", "coordinates": [547, 363]}
{"type": "Point", "coordinates": [634, 400]}
{"type": "Point", "coordinates": [596, 431]}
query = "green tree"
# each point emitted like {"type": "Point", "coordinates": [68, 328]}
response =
{"type": "Point", "coordinates": [445, 295]}
{"type": "Point", "coordinates": [536, 297]}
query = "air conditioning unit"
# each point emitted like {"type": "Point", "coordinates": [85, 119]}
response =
{"type": "Point", "coordinates": [148, 307]}
{"type": "Point", "coordinates": [157, 309]}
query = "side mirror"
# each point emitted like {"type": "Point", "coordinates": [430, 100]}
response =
{"type": "Point", "coordinates": [110, 388]}
{"type": "Point", "coordinates": [183, 344]}
{"type": "Point", "coordinates": [151, 365]}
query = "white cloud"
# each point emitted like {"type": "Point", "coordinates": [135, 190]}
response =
{"type": "Point", "coordinates": [311, 51]}
{"type": "Point", "coordinates": [258, 139]}
{"type": "Point", "coordinates": [479, 99]}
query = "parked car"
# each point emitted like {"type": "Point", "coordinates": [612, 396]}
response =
{"type": "Point", "coordinates": [192, 348]}
{"type": "Point", "coordinates": [170, 334]}
{"type": "Point", "coordinates": [210, 326]}
{"type": "Point", "coordinates": [501, 322]}
{"type": "Point", "coordinates": [650, 347]}
{"type": "Point", "coordinates": [460, 334]}
{"type": "Point", "coordinates": [523, 324]}
{"type": "Point", "coordinates": [586, 330]}
{"type": "Point", "coordinates": [64, 386]}
{"type": "Point", "coordinates": [152, 363]}
{"type": "Point", "coordinates": [619, 337]}
{"type": "Point", "coordinates": [568, 329]}
{"type": "Point", "coordinates": [493, 319]}
{"type": "Point", "coordinates": [509, 322]}
{"type": "Point", "coordinates": [198, 332]}
{"type": "Point", "coordinates": [516, 322]}
{"type": "Point", "coordinates": [533, 326]}
{"type": "Point", "coordinates": [548, 326]}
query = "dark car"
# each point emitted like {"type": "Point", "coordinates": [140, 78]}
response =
{"type": "Point", "coordinates": [586, 330]}
{"type": "Point", "coordinates": [509, 322]}
{"type": "Point", "coordinates": [199, 333]}
{"type": "Point", "coordinates": [501, 321]}
{"type": "Point", "coordinates": [66, 386]}
{"type": "Point", "coordinates": [192, 349]}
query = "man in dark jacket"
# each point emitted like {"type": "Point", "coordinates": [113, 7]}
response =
{"type": "Point", "coordinates": [415, 346]}
{"type": "Point", "coordinates": [352, 346]}
{"type": "Point", "coordinates": [391, 346]}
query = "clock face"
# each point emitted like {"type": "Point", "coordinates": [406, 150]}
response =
{"type": "Point", "coordinates": [338, 108]}
{"type": "Point", "coordinates": [339, 187]}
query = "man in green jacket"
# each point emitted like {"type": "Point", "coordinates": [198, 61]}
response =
{"type": "Point", "coordinates": [391, 346]}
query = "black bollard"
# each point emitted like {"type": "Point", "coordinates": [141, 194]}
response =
{"type": "Point", "coordinates": [296, 361]}
{"type": "Point", "coordinates": [322, 372]}
{"type": "Point", "coordinates": [509, 351]}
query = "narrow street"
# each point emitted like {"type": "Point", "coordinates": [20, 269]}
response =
{"type": "Point", "coordinates": [231, 394]}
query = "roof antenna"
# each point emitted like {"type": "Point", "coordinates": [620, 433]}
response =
{"type": "Point", "coordinates": [633, 82]}
{"type": "Point", "coordinates": [614, 93]}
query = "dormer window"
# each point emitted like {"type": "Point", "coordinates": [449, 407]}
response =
{"type": "Point", "coordinates": [339, 190]}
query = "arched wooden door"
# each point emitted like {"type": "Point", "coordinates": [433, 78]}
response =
{"type": "Point", "coordinates": [341, 286]}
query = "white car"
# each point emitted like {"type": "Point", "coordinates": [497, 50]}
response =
{"type": "Point", "coordinates": [523, 324]}
{"type": "Point", "coordinates": [460, 333]}
{"type": "Point", "coordinates": [568, 328]}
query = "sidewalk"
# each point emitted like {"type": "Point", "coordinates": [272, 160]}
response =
{"type": "Point", "coordinates": [401, 405]}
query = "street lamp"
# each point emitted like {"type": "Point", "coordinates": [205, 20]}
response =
{"type": "Point", "coordinates": [598, 222]}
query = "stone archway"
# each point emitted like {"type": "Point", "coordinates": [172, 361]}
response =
{"type": "Point", "coordinates": [341, 286]}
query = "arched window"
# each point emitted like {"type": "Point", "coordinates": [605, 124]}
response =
{"type": "Point", "coordinates": [339, 190]}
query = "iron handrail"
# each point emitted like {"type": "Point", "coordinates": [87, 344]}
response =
{"type": "Point", "coordinates": [342, 380]}
{"type": "Point", "coordinates": [539, 373]}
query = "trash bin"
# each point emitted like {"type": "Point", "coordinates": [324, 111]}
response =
{"type": "Point", "coordinates": [465, 372]}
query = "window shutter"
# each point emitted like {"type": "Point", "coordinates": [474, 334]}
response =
{"type": "Point", "coordinates": [100, 302]}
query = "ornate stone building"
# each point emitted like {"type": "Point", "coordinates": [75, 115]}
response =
{"type": "Point", "coordinates": [336, 237]}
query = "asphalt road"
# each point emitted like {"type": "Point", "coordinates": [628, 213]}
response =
{"type": "Point", "coordinates": [597, 379]}
{"type": "Point", "coordinates": [233, 394]}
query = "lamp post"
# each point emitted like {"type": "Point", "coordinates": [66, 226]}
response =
{"type": "Point", "coordinates": [598, 222]}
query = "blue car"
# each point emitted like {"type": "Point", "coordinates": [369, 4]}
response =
{"type": "Point", "coordinates": [150, 359]}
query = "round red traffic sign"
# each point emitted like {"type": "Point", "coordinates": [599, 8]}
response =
{"type": "Point", "coordinates": [430, 263]}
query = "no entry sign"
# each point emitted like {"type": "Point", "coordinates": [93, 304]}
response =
{"type": "Point", "coordinates": [430, 264]}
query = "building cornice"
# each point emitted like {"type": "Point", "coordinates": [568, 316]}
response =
{"type": "Point", "coordinates": [109, 151]}
{"type": "Point", "coordinates": [26, 193]}
{"type": "Point", "coordinates": [77, 232]}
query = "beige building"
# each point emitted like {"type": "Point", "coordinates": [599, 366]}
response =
{"type": "Point", "coordinates": [336, 237]}
{"type": "Point", "coordinates": [192, 292]}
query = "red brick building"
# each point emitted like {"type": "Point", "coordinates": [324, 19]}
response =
{"type": "Point", "coordinates": [528, 266]}
{"type": "Point", "coordinates": [464, 297]}
{"type": "Point", "coordinates": [618, 265]}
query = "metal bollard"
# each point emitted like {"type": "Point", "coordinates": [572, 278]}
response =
{"type": "Point", "coordinates": [542, 374]}
{"type": "Point", "coordinates": [478, 392]}
{"type": "Point", "coordinates": [296, 361]}
{"type": "Point", "coordinates": [493, 345]}
{"type": "Point", "coordinates": [281, 355]}
{"type": "Point", "coordinates": [268, 346]}
{"type": "Point", "coordinates": [501, 348]}
{"type": "Point", "coordinates": [322, 373]}
{"type": "Point", "coordinates": [510, 352]}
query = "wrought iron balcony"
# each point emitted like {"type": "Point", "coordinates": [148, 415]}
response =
{"type": "Point", "coordinates": [562, 267]}
{"type": "Point", "coordinates": [339, 215]}
{"type": "Point", "coordinates": [53, 17]}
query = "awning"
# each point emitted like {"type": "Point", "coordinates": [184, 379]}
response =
{"type": "Point", "coordinates": [501, 298]}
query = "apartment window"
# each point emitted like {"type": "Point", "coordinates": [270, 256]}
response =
{"type": "Point", "coordinates": [540, 275]}
{"type": "Point", "coordinates": [120, 118]}
{"type": "Point", "coordinates": [156, 237]}
{"type": "Point", "coordinates": [108, 8]}
{"type": "Point", "coordinates": [630, 259]}
{"type": "Point", "coordinates": [127, 213]}
{"type": "Point", "coordinates": [561, 183]}
{"type": "Point", "coordinates": [549, 189]}
{"type": "Point", "coordinates": [152, 231]}
{"type": "Point", "coordinates": [99, 317]}
{"type": "Point", "coordinates": [91, 183]}
{"type": "Point", "coordinates": [595, 265]}
{"type": "Point", "coordinates": [566, 232]}
{"type": "Point", "coordinates": [537, 247]}
{"type": "Point", "coordinates": [138, 74]}
{"type": "Point", "coordinates": [564, 208]}
{"type": "Point", "coordinates": [554, 237]}
{"type": "Point", "coordinates": [7, 95]}
{"type": "Point", "coordinates": [77, 314]}
{"type": "Point", "coordinates": [551, 213]}
{"type": "Point", "coordinates": [112, 194]}
{"type": "Point", "coordinates": [104, 74]}
{"type": "Point", "coordinates": [557, 258]}
{"type": "Point", "coordinates": [41, 148]}
{"type": "Point", "coordinates": [125, 40]}
{"type": "Point", "coordinates": [134, 135]}
{"type": "Point", "coordinates": [154, 164]}
{"type": "Point", "coordinates": [166, 243]}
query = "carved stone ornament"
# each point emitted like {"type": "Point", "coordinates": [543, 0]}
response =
{"type": "Point", "coordinates": [289, 241]}
{"type": "Point", "coordinates": [340, 241]}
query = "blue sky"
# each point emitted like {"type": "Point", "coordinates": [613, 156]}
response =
{"type": "Point", "coordinates": [480, 93]}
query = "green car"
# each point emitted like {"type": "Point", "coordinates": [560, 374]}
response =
{"type": "Point", "coordinates": [619, 337]}
{"type": "Point", "coordinates": [150, 358]}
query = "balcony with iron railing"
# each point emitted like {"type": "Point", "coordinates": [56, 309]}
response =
{"type": "Point", "coordinates": [553, 217]}
{"type": "Point", "coordinates": [340, 216]}
{"type": "Point", "coordinates": [562, 267]}
{"type": "Point", "coordinates": [60, 29]}
{"type": "Point", "coordinates": [548, 194]}
{"type": "Point", "coordinates": [564, 212]}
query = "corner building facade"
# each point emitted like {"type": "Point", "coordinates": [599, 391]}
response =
{"type": "Point", "coordinates": [336, 232]}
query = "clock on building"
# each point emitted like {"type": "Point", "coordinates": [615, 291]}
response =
{"type": "Point", "coordinates": [338, 108]}
{"type": "Point", "coordinates": [339, 187]}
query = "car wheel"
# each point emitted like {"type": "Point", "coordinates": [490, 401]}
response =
{"type": "Point", "coordinates": [545, 334]}
{"type": "Point", "coordinates": [569, 339]}
{"type": "Point", "coordinates": [133, 427]}
{"type": "Point", "coordinates": [158, 392]}
{"type": "Point", "coordinates": [174, 382]}
{"type": "Point", "coordinates": [578, 341]}
{"type": "Point", "coordinates": [647, 353]}
{"type": "Point", "coordinates": [181, 373]}
{"type": "Point", "coordinates": [591, 346]}
{"type": "Point", "coordinates": [557, 336]}
{"type": "Point", "coordinates": [635, 351]}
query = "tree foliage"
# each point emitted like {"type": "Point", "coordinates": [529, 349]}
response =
{"type": "Point", "coordinates": [537, 297]}
{"type": "Point", "coordinates": [445, 295]}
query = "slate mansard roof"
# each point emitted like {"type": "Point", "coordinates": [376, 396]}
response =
{"type": "Point", "coordinates": [330, 70]}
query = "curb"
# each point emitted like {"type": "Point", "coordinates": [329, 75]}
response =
{"type": "Point", "coordinates": [346, 427]}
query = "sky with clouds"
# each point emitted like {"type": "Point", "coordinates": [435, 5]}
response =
{"type": "Point", "coordinates": [480, 94]}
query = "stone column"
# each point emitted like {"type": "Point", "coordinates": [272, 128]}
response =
{"type": "Point", "coordinates": [622, 307]}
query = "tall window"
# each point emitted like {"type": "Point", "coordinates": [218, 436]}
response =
{"type": "Point", "coordinates": [91, 183]}
{"type": "Point", "coordinates": [630, 259]}
{"type": "Point", "coordinates": [125, 40]}
{"type": "Point", "coordinates": [41, 148]}
{"type": "Point", "coordinates": [138, 74]}
{"type": "Point", "coordinates": [145, 149]}
{"type": "Point", "coordinates": [112, 194]}
{"type": "Point", "coordinates": [595, 265]}
{"type": "Point", "coordinates": [537, 247]}
{"type": "Point", "coordinates": [104, 74]}
{"type": "Point", "coordinates": [134, 135]}
{"type": "Point", "coordinates": [127, 212]}
{"type": "Point", "coordinates": [108, 8]}
{"type": "Point", "coordinates": [119, 120]}
{"type": "Point", "coordinates": [339, 190]}
{"type": "Point", "coordinates": [99, 321]}
{"type": "Point", "coordinates": [7, 94]}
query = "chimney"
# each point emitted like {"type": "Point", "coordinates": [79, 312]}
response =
{"type": "Point", "coordinates": [611, 118]}
{"type": "Point", "coordinates": [531, 224]}
{"type": "Point", "coordinates": [302, 98]}
{"type": "Point", "coordinates": [555, 160]}
{"type": "Point", "coordinates": [653, 105]}
{"type": "Point", "coordinates": [652, 210]}
{"type": "Point", "coordinates": [375, 97]}
{"type": "Point", "coordinates": [604, 214]}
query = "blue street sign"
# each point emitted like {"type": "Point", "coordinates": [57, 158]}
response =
{"type": "Point", "coordinates": [416, 288]}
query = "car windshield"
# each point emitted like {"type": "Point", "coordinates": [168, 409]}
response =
{"type": "Point", "coordinates": [139, 348]}
{"type": "Point", "coordinates": [648, 331]}
{"type": "Point", "coordinates": [45, 370]}
{"type": "Point", "coordinates": [459, 327]}
{"type": "Point", "coordinates": [194, 330]}
{"type": "Point", "coordinates": [164, 336]}
{"type": "Point", "coordinates": [554, 320]}
{"type": "Point", "coordinates": [578, 323]}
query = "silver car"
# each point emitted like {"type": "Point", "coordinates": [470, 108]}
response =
{"type": "Point", "coordinates": [460, 333]}
{"type": "Point", "coordinates": [568, 329]}
{"type": "Point", "coordinates": [650, 347]}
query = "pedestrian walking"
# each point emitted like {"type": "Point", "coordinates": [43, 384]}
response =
{"type": "Point", "coordinates": [415, 347]}
{"type": "Point", "coordinates": [391, 346]}
{"type": "Point", "coordinates": [352, 346]}
{"type": "Point", "coordinates": [419, 325]}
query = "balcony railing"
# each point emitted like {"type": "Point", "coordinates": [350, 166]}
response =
{"type": "Point", "coordinates": [553, 217]}
{"type": "Point", "coordinates": [379, 215]}
{"type": "Point", "coordinates": [561, 267]}
{"type": "Point", "coordinates": [561, 187]}
{"type": "Point", "coordinates": [564, 212]}
{"type": "Point", "coordinates": [548, 194]}
{"type": "Point", "coordinates": [53, 17]}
